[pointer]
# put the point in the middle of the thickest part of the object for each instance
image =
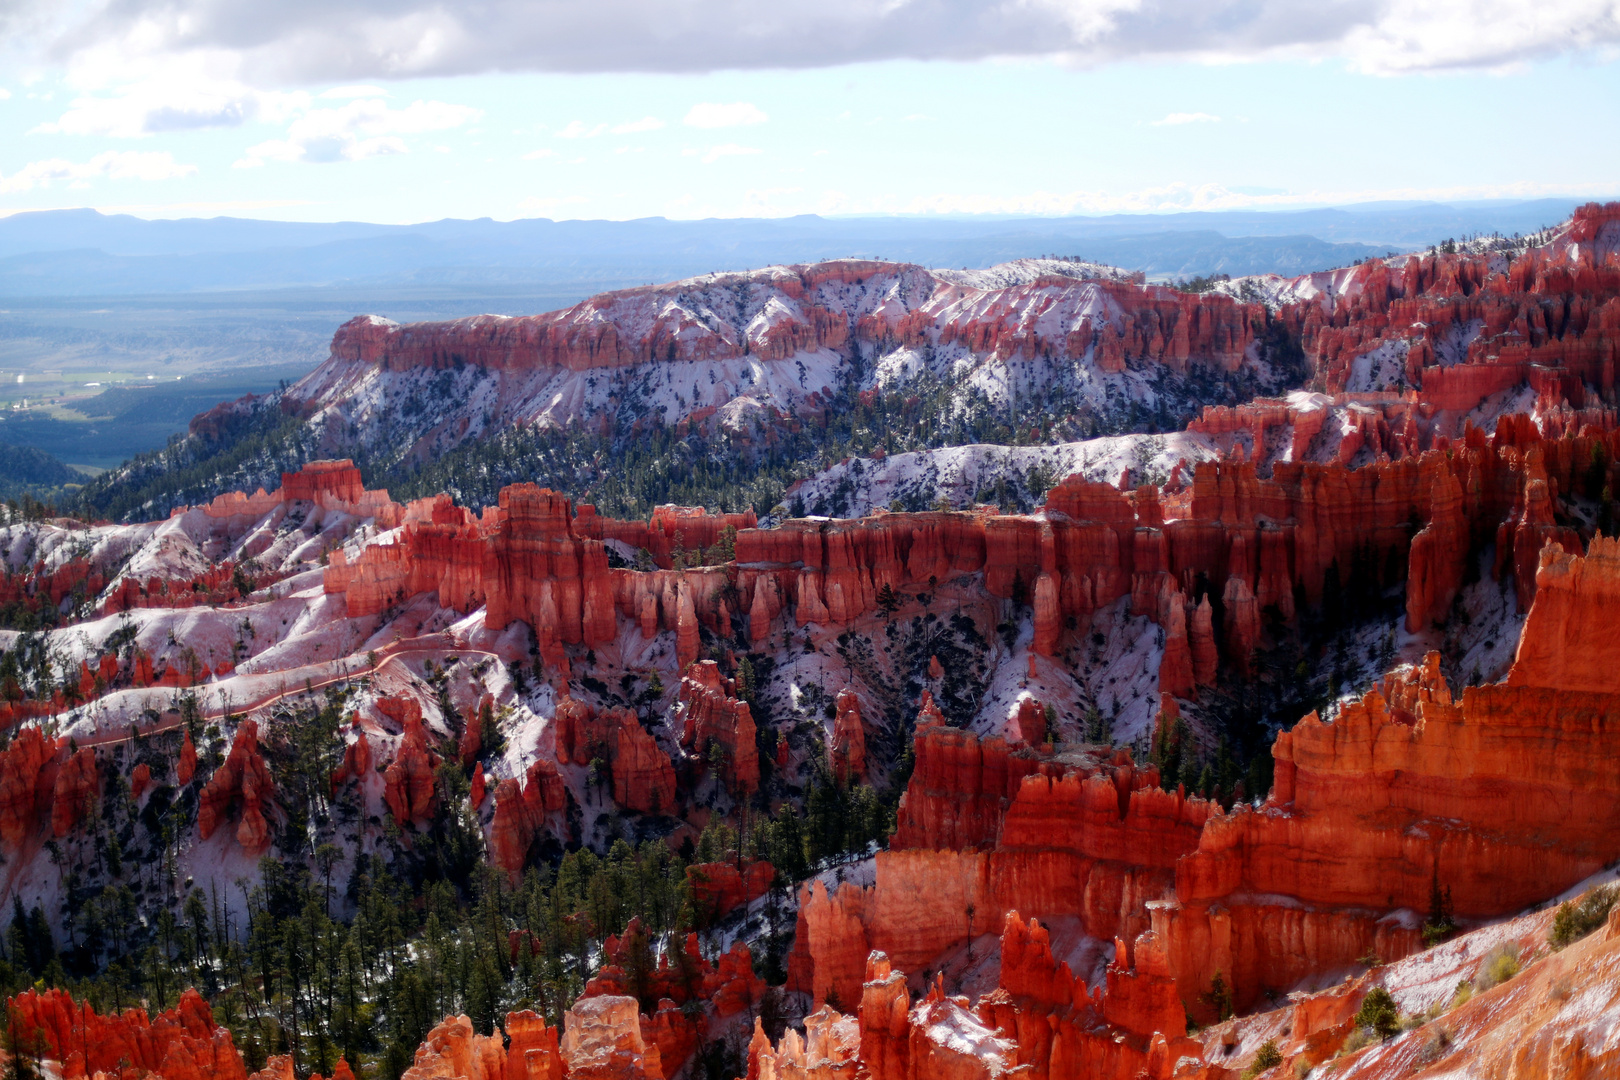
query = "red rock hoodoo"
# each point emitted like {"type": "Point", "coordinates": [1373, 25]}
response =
{"type": "Point", "coordinates": [180, 1044]}
{"type": "Point", "coordinates": [712, 721]}
{"type": "Point", "coordinates": [243, 777]}
{"type": "Point", "coordinates": [410, 789]}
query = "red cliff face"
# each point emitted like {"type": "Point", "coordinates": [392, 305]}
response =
{"type": "Point", "coordinates": [963, 786]}
{"type": "Point", "coordinates": [1501, 796]}
{"type": "Point", "coordinates": [804, 308]}
{"type": "Point", "coordinates": [1040, 1021]}
{"type": "Point", "coordinates": [643, 776]}
{"type": "Point", "coordinates": [1342, 816]}
{"type": "Point", "coordinates": [357, 760]}
{"type": "Point", "coordinates": [1094, 840]}
{"type": "Point", "coordinates": [140, 778]}
{"type": "Point", "coordinates": [675, 1027]}
{"type": "Point", "coordinates": [1438, 555]}
{"type": "Point", "coordinates": [186, 767]}
{"type": "Point", "coordinates": [410, 788]}
{"type": "Point", "coordinates": [721, 888]}
{"type": "Point", "coordinates": [535, 570]}
{"type": "Point", "coordinates": [180, 1044]}
{"type": "Point", "coordinates": [521, 812]}
{"type": "Point", "coordinates": [1549, 308]}
{"type": "Point", "coordinates": [522, 560]}
{"type": "Point", "coordinates": [849, 740]}
{"type": "Point", "coordinates": [77, 790]}
{"type": "Point", "coordinates": [1495, 796]}
{"type": "Point", "coordinates": [453, 1050]}
{"type": "Point", "coordinates": [1255, 542]}
{"type": "Point", "coordinates": [1463, 328]}
{"type": "Point", "coordinates": [1564, 645]}
{"type": "Point", "coordinates": [960, 788]}
{"type": "Point", "coordinates": [324, 480]}
{"type": "Point", "coordinates": [28, 772]}
{"type": "Point", "coordinates": [243, 779]}
{"type": "Point", "coordinates": [711, 718]}
{"type": "Point", "coordinates": [1062, 1030]}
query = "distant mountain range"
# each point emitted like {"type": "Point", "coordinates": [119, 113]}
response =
{"type": "Point", "coordinates": [63, 253]}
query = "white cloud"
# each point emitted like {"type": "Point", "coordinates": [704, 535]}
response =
{"type": "Point", "coordinates": [111, 164]}
{"type": "Point", "coordinates": [359, 40]}
{"type": "Point", "coordinates": [646, 123]}
{"type": "Point", "coordinates": [536, 155]}
{"type": "Point", "coordinates": [711, 115]}
{"type": "Point", "coordinates": [725, 150]}
{"type": "Point", "coordinates": [354, 91]}
{"type": "Point", "coordinates": [1177, 118]}
{"type": "Point", "coordinates": [578, 129]}
{"type": "Point", "coordinates": [364, 128]}
{"type": "Point", "coordinates": [168, 103]}
{"type": "Point", "coordinates": [4, 94]}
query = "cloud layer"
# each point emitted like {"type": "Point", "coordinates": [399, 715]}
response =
{"type": "Point", "coordinates": [115, 165]}
{"type": "Point", "coordinates": [301, 41]}
{"type": "Point", "coordinates": [365, 127]}
{"type": "Point", "coordinates": [1176, 119]}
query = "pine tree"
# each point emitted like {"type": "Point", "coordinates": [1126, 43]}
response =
{"type": "Point", "coordinates": [1439, 924]}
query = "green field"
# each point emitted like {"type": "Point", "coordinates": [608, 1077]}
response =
{"type": "Point", "coordinates": [96, 428]}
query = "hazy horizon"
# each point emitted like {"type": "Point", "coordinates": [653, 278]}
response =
{"type": "Point", "coordinates": [714, 109]}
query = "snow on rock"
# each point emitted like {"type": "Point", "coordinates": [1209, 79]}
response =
{"type": "Point", "coordinates": [963, 475]}
{"type": "Point", "coordinates": [775, 346]}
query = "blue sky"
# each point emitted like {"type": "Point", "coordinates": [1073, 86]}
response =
{"type": "Point", "coordinates": [199, 125]}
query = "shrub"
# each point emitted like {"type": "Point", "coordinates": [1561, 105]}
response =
{"type": "Point", "coordinates": [1465, 990]}
{"type": "Point", "coordinates": [1219, 997]}
{"type": "Point", "coordinates": [1267, 1057]}
{"type": "Point", "coordinates": [1581, 916]}
{"type": "Point", "coordinates": [1378, 1012]}
{"type": "Point", "coordinates": [1435, 1047]}
{"type": "Point", "coordinates": [1499, 965]}
{"type": "Point", "coordinates": [1358, 1038]}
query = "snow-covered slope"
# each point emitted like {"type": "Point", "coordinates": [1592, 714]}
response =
{"type": "Point", "coordinates": [778, 345]}
{"type": "Point", "coordinates": [1016, 476]}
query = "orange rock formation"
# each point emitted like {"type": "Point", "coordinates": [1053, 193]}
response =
{"type": "Point", "coordinates": [522, 811]}
{"type": "Point", "coordinates": [849, 740]}
{"type": "Point", "coordinates": [643, 776]}
{"type": "Point", "coordinates": [720, 888]}
{"type": "Point", "coordinates": [243, 777]}
{"type": "Point", "coordinates": [410, 789]}
{"type": "Point", "coordinates": [180, 1044]}
{"type": "Point", "coordinates": [710, 716]}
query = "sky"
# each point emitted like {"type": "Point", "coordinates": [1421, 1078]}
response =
{"type": "Point", "coordinates": [412, 110]}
